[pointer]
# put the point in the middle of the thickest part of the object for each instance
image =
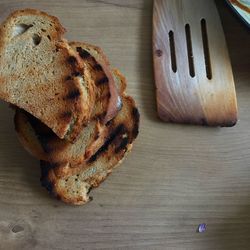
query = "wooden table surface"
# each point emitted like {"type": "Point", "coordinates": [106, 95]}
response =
{"type": "Point", "coordinates": [176, 177]}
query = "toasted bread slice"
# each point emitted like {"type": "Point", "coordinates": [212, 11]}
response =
{"type": "Point", "coordinates": [42, 143]}
{"type": "Point", "coordinates": [42, 74]}
{"type": "Point", "coordinates": [72, 184]}
{"type": "Point", "coordinates": [108, 101]}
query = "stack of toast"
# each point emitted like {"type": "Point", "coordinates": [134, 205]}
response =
{"type": "Point", "coordinates": [71, 109]}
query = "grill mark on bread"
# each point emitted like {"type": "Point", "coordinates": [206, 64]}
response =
{"type": "Point", "coordinates": [73, 94]}
{"type": "Point", "coordinates": [76, 73]}
{"type": "Point", "coordinates": [97, 136]}
{"type": "Point", "coordinates": [109, 123]}
{"type": "Point", "coordinates": [107, 96]}
{"type": "Point", "coordinates": [83, 53]}
{"type": "Point", "coordinates": [113, 135]}
{"type": "Point", "coordinates": [72, 60]}
{"type": "Point", "coordinates": [66, 115]}
{"type": "Point", "coordinates": [68, 78]}
{"type": "Point", "coordinates": [98, 67]}
{"type": "Point", "coordinates": [103, 80]}
{"type": "Point", "coordinates": [136, 116]}
{"type": "Point", "coordinates": [123, 145]}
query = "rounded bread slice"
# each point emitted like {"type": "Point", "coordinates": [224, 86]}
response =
{"type": "Point", "coordinates": [42, 74]}
{"type": "Point", "coordinates": [72, 184]}
{"type": "Point", "coordinates": [108, 101]}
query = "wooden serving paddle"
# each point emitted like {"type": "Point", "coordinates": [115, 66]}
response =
{"type": "Point", "coordinates": [193, 74]}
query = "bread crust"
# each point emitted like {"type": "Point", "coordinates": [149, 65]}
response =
{"type": "Point", "coordinates": [72, 184]}
{"type": "Point", "coordinates": [107, 95]}
{"type": "Point", "coordinates": [55, 150]}
{"type": "Point", "coordinates": [32, 48]}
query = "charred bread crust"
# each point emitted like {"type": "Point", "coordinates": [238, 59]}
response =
{"type": "Point", "coordinates": [72, 184]}
{"type": "Point", "coordinates": [34, 40]}
{"type": "Point", "coordinates": [55, 150]}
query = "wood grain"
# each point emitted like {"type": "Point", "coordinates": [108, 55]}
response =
{"type": "Point", "coordinates": [194, 85]}
{"type": "Point", "coordinates": [176, 177]}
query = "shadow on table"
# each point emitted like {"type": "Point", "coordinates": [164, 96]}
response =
{"type": "Point", "coordinates": [238, 40]}
{"type": "Point", "coordinates": [146, 75]}
{"type": "Point", "coordinates": [19, 165]}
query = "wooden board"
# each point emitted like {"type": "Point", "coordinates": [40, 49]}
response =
{"type": "Point", "coordinates": [176, 177]}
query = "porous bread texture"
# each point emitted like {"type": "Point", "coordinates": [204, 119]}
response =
{"type": "Point", "coordinates": [72, 184]}
{"type": "Point", "coordinates": [107, 94]}
{"type": "Point", "coordinates": [42, 143]}
{"type": "Point", "coordinates": [42, 74]}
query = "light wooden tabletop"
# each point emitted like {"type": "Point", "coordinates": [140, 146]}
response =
{"type": "Point", "coordinates": [175, 178]}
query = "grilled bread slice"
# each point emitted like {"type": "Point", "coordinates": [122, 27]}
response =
{"type": "Point", "coordinates": [42, 74]}
{"type": "Point", "coordinates": [108, 101]}
{"type": "Point", "coordinates": [42, 143]}
{"type": "Point", "coordinates": [73, 184]}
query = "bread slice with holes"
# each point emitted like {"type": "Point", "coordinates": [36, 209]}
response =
{"type": "Point", "coordinates": [72, 184]}
{"type": "Point", "coordinates": [42, 74]}
{"type": "Point", "coordinates": [42, 143]}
